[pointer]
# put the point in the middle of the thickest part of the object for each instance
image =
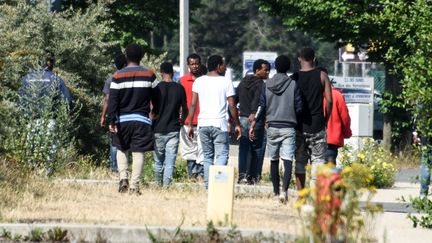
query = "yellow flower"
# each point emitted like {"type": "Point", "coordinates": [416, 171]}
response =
{"type": "Point", "coordinates": [361, 155]}
{"type": "Point", "coordinates": [372, 189]}
{"type": "Point", "coordinates": [304, 192]}
{"type": "Point", "coordinates": [299, 203]}
{"type": "Point", "coordinates": [347, 170]}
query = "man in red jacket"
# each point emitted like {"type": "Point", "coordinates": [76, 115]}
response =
{"type": "Point", "coordinates": [338, 126]}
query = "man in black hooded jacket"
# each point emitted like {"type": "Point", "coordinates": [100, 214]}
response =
{"type": "Point", "coordinates": [251, 152]}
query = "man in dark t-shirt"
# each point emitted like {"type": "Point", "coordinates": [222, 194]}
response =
{"type": "Point", "coordinates": [171, 99]}
{"type": "Point", "coordinates": [311, 139]}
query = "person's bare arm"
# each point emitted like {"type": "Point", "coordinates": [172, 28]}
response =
{"type": "Point", "coordinates": [234, 114]}
{"type": "Point", "coordinates": [104, 110]}
{"type": "Point", "coordinates": [327, 95]}
{"type": "Point", "coordinates": [192, 109]}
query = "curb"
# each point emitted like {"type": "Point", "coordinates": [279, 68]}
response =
{"type": "Point", "coordinates": [132, 233]}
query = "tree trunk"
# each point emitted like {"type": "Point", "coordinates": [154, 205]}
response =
{"type": "Point", "coordinates": [392, 86]}
{"type": "Point", "coordinates": [395, 113]}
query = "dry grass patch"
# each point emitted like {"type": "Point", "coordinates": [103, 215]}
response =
{"type": "Point", "coordinates": [44, 201]}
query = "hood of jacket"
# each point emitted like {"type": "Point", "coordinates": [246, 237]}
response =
{"type": "Point", "coordinates": [251, 81]}
{"type": "Point", "coordinates": [278, 83]}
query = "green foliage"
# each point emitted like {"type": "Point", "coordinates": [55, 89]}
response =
{"type": "Point", "coordinates": [6, 234]}
{"type": "Point", "coordinates": [240, 24]}
{"type": "Point", "coordinates": [36, 235]}
{"type": "Point", "coordinates": [43, 128]}
{"type": "Point", "coordinates": [381, 162]}
{"type": "Point", "coordinates": [57, 234]}
{"type": "Point", "coordinates": [76, 39]}
{"type": "Point", "coordinates": [409, 22]}
{"type": "Point", "coordinates": [180, 172]}
{"type": "Point", "coordinates": [423, 207]}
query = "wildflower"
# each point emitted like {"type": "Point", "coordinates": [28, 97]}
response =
{"type": "Point", "coordinates": [299, 203]}
{"type": "Point", "coordinates": [347, 170]}
{"type": "Point", "coordinates": [371, 189]}
{"type": "Point", "coordinates": [361, 156]}
{"type": "Point", "coordinates": [304, 192]}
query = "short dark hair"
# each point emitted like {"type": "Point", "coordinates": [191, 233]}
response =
{"type": "Point", "coordinates": [202, 69]}
{"type": "Point", "coordinates": [120, 61]}
{"type": "Point", "coordinates": [213, 62]}
{"type": "Point", "coordinates": [282, 64]}
{"type": "Point", "coordinates": [193, 56]}
{"type": "Point", "coordinates": [49, 58]}
{"type": "Point", "coordinates": [258, 64]}
{"type": "Point", "coordinates": [308, 54]}
{"type": "Point", "coordinates": [167, 68]}
{"type": "Point", "coordinates": [134, 52]}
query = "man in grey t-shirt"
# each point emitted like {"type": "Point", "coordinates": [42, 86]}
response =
{"type": "Point", "coordinates": [120, 62]}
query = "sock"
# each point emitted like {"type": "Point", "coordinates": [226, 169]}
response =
{"type": "Point", "coordinates": [300, 181]}
{"type": "Point", "coordinates": [287, 174]}
{"type": "Point", "coordinates": [274, 172]}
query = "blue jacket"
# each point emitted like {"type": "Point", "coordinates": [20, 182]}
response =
{"type": "Point", "coordinates": [41, 83]}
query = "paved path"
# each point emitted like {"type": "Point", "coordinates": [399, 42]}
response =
{"type": "Point", "coordinates": [393, 225]}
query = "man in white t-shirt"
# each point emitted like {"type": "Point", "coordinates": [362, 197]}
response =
{"type": "Point", "coordinates": [213, 91]}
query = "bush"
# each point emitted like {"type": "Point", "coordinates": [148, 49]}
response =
{"type": "Point", "coordinates": [83, 59]}
{"type": "Point", "coordinates": [381, 162]}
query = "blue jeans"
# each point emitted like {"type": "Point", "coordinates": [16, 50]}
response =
{"type": "Point", "coordinates": [194, 170]}
{"type": "Point", "coordinates": [214, 141]}
{"type": "Point", "coordinates": [113, 158]}
{"type": "Point", "coordinates": [281, 143]}
{"type": "Point", "coordinates": [425, 169]}
{"type": "Point", "coordinates": [165, 153]}
{"type": "Point", "coordinates": [250, 167]}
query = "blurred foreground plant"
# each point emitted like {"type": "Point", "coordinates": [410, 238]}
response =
{"type": "Point", "coordinates": [330, 209]}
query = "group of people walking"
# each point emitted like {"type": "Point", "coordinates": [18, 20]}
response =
{"type": "Point", "coordinates": [287, 113]}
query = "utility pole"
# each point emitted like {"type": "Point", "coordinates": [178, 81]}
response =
{"type": "Point", "coordinates": [184, 35]}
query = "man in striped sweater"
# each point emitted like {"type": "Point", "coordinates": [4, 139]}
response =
{"type": "Point", "coordinates": [129, 116]}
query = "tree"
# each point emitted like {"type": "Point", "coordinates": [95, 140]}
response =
{"type": "Point", "coordinates": [229, 28]}
{"type": "Point", "coordinates": [361, 23]}
{"type": "Point", "coordinates": [27, 31]}
{"type": "Point", "coordinates": [137, 21]}
{"type": "Point", "coordinates": [409, 22]}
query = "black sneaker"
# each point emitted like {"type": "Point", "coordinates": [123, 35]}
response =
{"type": "Point", "coordinates": [134, 191]}
{"type": "Point", "coordinates": [123, 185]}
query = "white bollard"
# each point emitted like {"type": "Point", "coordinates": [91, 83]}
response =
{"type": "Point", "coordinates": [220, 194]}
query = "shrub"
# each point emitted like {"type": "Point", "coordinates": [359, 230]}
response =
{"type": "Point", "coordinates": [83, 60]}
{"type": "Point", "coordinates": [330, 210]}
{"type": "Point", "coordinates": [381, 162]}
